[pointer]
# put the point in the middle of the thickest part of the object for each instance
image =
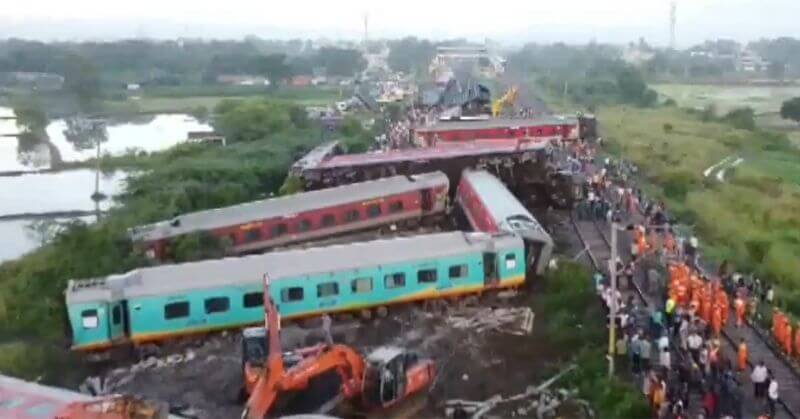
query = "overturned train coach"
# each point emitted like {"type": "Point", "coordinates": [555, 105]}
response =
{"type": "Point", "coordinates": [157, 303]}
{"type": "Point", "coordinates": [303, 217]}
{"type": "Point", "coordinates": [527, 166]}
{"type": "Point", "coordinates": [490, 207]}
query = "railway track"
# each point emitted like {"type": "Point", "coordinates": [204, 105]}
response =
{"type": "Point", "coordinates": [597, 245]}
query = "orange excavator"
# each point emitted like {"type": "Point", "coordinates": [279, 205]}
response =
{"type": "Point", "coordinates": [319, 378]}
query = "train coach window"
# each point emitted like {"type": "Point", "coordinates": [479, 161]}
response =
{"type": "Point", "coordinates": [327, 289]}
{"type": "Point", "coordinates": [426, 276]}
{"type": "Point", "coordinates": [279, 230]}
{"type": "Point", "coordinates": [291, 294]}
{"type": "Point", "coordinates": [328, 220]}
{"type": "Point", "coordinates": [361, 285]}
{"type": "Point", "coordinates": [395, 207]}
{"type": "Point", "coordinates": [217, 305]}
{"type": "Point", "coordinates": [511, 261]}
{"type": "Point", "coordinates": [374, 210]}
{"type": "Point", "coordinates": [352, 215]}
{"type": "Point", "coordinates": [89, 319]}
{"type": "Point", "coordinates": [304, 225]}
{"type": "Point", "coordinates": [395, 280]}
{"type": "Point", "coordinates": [458, 272]}
{"type": "Point", "coordinates": [116, 315]}
{"type": "Point", "coordinates": [253, 299]}
{"type": "Point", "coordinates": [176, 310]}
{"type": "Point", "coordinates": [252, 235]}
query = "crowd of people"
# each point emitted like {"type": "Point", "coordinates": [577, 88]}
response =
{"type": "Point", "coordinates": [673, 347]}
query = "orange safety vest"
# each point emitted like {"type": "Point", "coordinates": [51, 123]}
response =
{"type": "Point", "coordinates": [716, 321]}
{"type": "Point", "coordinates": [742, 356]}
{"type": "Point", "coordinates": [740, 309]}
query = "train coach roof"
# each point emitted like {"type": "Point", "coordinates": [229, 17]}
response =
{"type": "Point", "coordinates": [284, 206]}
{"type": "Point", "coordinates": [499, 123]}
{"type": "Point", "coordinates": [441, 151]}
{"type": "Point", "coordinates": [169, 279]}
{"type": "Point", "coordinates": [503, 206]}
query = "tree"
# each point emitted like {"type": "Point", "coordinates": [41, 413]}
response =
{"type": "Point", "coordinates": [273, 66]}
{"type": "Point", "coordinates": [250, 120]}
{"type": "Point", "coordinates": [30, 116]}
{"type": "Point", "coordinates": [790, 109]}
{"type": "Point", "coordinates": [741, 118]}
{"type": "Point", "coordinates": [82, 80]}
{"type": "Point", "coordinates": [340, 62]}
{"type": "Point", "coordinates": [409, 54]}
{"type": "Point", "coordinates": [299, 117]}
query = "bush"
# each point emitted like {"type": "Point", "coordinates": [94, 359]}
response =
{"type": "Point", "coordinates": [668, 128]}
{"type": "Point", "coordinates": [709, 113]}
{"type": "Point", "coordinates": [299, 117]}
{"type": "Point", "coordinates": [741, 118]}
{"type": "Point", "coordinates": [677, 185]}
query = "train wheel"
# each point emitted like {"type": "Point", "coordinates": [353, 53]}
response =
{"type": "Point", "coordinates": [382, 311]}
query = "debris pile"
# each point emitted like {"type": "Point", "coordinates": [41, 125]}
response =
{"type": "Point", "coordinates": [515, 320]}
{"type": "Point", "coordinates": [539, 401]}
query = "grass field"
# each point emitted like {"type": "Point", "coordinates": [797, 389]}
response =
{"type": "Point", "coordinates": [763, 99]}
{"type": "Point", "coordinates": [751, 219]}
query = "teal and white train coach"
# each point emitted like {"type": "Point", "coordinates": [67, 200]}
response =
{"type": "Point", "coordinates": [156, 303]}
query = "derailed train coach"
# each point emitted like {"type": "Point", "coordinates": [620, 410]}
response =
{"type": "Point", "coordinates": [524, 164]}
{"type": "Point", "coordinates": [490, 207]}
{"type": "Point", "coordinates": [161, 302]}
{"type": "Point", "coordinates": [302, 217]}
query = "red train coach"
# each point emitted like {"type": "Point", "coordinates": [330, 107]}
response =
{"type": "Point", "coordinates": [306, 216]}
{"type": "Point", "coordinates": [547, 128]}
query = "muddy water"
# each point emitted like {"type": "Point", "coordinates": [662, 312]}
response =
{"type": "Point", "coordinates": [44, 193]}
{"type": "Point", "coordinates": [147, 133]}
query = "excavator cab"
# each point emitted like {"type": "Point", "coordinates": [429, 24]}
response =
{"type": "Point", "coordinates": [392, 374]}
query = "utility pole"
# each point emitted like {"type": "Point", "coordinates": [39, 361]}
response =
{"type": "Point", "coordinates": [673, 18]}
{"type": "Point", "coordinates": [612, 327]}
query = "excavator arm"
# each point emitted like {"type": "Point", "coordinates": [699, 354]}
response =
{"type": "Point", "coordinates": [507, 100]}
{"type": "Point", "coordinates": [342, 360]}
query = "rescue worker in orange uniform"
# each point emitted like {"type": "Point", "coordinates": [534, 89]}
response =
{"type": "Point", "coordinates": [740, 308]}
{"type": "Point", "coordinates": [787, 338]}
{"type": "Point", "coordinates": [775, 323]}
{"type": "Point", "coordinates": [716, 321]}
{"type": "Point", "coordinates": [724, 306]}
{"type": "Point", "coordinates": [797, 340]}
{"type": "Point", "coordinates": [742, 355]}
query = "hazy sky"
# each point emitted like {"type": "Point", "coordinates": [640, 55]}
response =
{"type": "Point", "coordinates": [504, 20]}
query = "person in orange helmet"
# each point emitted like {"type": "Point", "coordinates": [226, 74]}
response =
{"type": "Point", "coordinates": [742, 355]}
{"type": "Point", "coordinates": [740, 307]}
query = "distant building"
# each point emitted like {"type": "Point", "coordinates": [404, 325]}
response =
{"type": "Point", "coordinates": [301, 81]}
{"type": "Point", "coordinates": [133, 86]}
{"type": "Point", "coordinates": [750, 62]}
{"type": "Point", "coordinates": [242, 80]}
{"type": "Point", "coordinates": [637, 56]}
{"type": "Point", "coordinates": [470, 59]}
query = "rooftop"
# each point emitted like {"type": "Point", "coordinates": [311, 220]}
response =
{"type": "Point", "coordinates": [498, 123]}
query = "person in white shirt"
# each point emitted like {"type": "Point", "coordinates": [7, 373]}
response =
{"type": "Point", "coordinates": [665, 359]}
{"type": "Point", "coordinates": [759, 379]}
{"type": "Point", "coordinates": [695, 342]}
{"type": "Point", "coordinates": [663, 342]}
{"type": "Point", "coordinates": [772, 395]}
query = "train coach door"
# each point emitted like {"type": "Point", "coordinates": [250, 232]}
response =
{"type": "Point", "coordinates": [116, 327]}
{"type": "Point", "coordinates": [532, 252]}
{"type": "Point", "coordinates": [427, 200]}
{"type": "Point", "coordinates": [490, 268]}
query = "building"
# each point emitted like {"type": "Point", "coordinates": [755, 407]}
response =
{"type": "Point", "coordinates": [242, 80]}
{"type": "Point", "coordinates": [470, 59]}
{"type": "Point", "coordinates": [301, 81]}
{"type": "Point", "coordinates": [750, 62]}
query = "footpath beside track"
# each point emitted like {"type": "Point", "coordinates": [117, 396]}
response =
{"type": "Point", "coordinates": [594, 237]}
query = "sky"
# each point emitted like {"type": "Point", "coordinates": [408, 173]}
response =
{"type": "Point", "coordinates": [506, 21]}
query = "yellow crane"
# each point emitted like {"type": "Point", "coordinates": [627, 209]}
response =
{"type": "Point", "coordinates": [507, 100]}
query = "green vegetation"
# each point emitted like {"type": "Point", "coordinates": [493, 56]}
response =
{"type": "Point", "coordinates": [790, 109]}
{"type": "Point", "coordinates": [589, 75]}
{"type": "Point", "coordinates": [762, 99]}
{"type": "Point", "coordinates": [263, 142]}
{"type": "Point", "coordinates": [573, 321]}
{"type": "Point", "coordinates": [750, 218]}
{"type": "Point", "coordinates": [411, 55]}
